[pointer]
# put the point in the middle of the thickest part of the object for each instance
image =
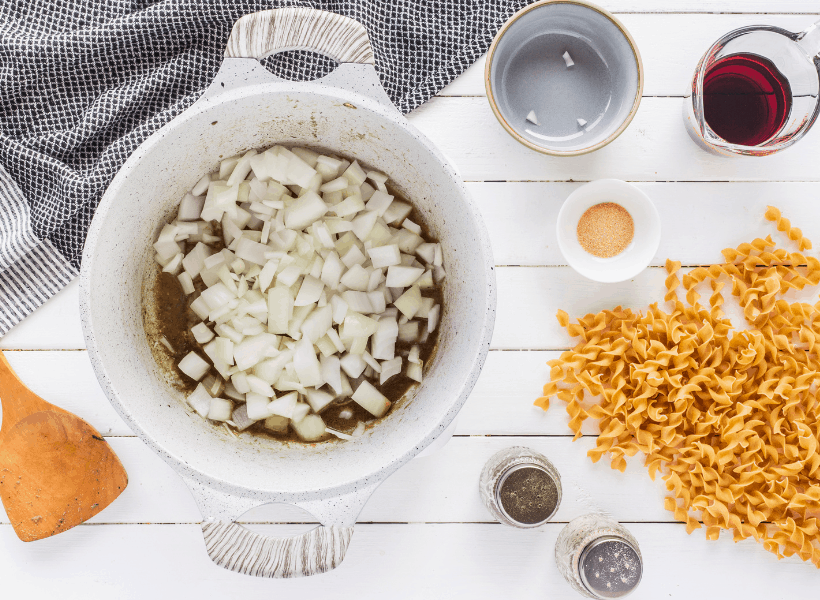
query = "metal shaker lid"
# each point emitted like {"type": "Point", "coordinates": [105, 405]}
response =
{"type": "Point", "coordinates": [610, 567]}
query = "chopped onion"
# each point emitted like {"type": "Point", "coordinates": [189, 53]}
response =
{"type": "Point", "coordinates": [398, 276]}
{"type": "Point", "coordinates": [220, 409]}
{"type": "Point", "coordinates": [317, 260]}
{"type": "Point", "coordinates": [371, 399]}
{"type": "Point", "coordinates": [194, 366]}
{"type": "Point", "coordinates": [200, 400]}
{"type": "Point", "coordinates": [310, 429]}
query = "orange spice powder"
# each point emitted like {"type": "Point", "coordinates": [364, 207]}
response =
{"type": "Point", "coordinates": [605, 230]}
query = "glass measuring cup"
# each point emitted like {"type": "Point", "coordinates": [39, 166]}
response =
{"type": "Point", "coordinates": [782, 87]}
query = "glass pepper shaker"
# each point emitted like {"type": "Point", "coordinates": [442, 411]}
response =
{"type": "Point", "coordinates": [520, 487]}
{"type": "Point", "coordinates": [599, 557]}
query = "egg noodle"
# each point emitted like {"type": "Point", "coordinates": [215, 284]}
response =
{"type": "Point", "coordinates": [729, 418]}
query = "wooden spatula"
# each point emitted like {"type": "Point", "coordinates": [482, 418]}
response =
{"type": "Point", "coordinates": [56, 470]}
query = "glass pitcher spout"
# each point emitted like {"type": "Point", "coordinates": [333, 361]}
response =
{"type": "Point", "coordinates": [809, 40]}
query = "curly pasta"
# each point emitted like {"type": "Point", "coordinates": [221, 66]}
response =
{"type": "Point", "coordinates": [729, 418]}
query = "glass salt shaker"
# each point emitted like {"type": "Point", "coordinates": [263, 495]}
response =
{"type": "Point", "coordinates": [520, 487]}
{"type": "Point", "coordinates": [598, 557]}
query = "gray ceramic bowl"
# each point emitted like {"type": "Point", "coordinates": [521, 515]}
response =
{"type": "Point", "coordinates": [582, 100]}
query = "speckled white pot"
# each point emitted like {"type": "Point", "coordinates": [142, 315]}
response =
{"type": "Point", "coordinates": [246, 107]}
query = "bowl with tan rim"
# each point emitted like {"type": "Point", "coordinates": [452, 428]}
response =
{"type": "Point", "coordinates": [564, 77]}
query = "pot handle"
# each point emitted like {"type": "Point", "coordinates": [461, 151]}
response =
{"type": "Point", "coordinates": [263, 33]}
{"type": "Point", "coordinates": [233, 547]}
{"type": "Point", "coordinates": [238, 549]}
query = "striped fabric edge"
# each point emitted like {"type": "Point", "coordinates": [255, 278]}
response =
{"type": "Point", "coordinates": [31, 270]}
{"type": "Point", "coordinates": [31, 280]}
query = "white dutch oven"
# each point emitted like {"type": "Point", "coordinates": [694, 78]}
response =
{"type": "Point", "coordinates": [246, 107]}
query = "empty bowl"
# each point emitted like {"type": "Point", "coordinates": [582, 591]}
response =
{"type": "Point", "coordinates": [564, 77]}
{"type": "Point", "coordinates": [645, 239]}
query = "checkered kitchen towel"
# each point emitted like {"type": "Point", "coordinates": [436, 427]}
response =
{"type": "Point", "coordinates": [84, 82]}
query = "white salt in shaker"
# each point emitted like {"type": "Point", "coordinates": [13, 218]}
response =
{"type": "Point", "coordinates": [520, 487]}
{"type": "Point", "coordinates": [599, 557]}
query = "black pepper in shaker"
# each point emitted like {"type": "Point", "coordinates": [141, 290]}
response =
{"type": "Point", "coordinates": [599, 557]}
{"type": "Point", "coordinates": [520, 487]}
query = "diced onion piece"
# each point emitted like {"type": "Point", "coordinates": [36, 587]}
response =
{"type": "Point", "coordinates": [352, 364]}
{"type": "Point", "coordinates": [357, 325]}
{"type": "Point", "coordinates": [357, 301]}
{"type": "Point", "coordinates": [277, 424]}
{"type": "Point", "coordinates": [340, 307]}
{"type": "Point", "coordinates": [409, 302]}
{"type": "Point", "coordinates": [331, 373]}
{"type": "Point", "coordinates": [186, 283]}
{"type": "Point", "coordinates": [337, 185]}
{"type": "Point", "coordinates": [353, 257]}
{"type": "Point", "coordinates": [371, 362]}
{"type": "Point", "coordinates": [339, 434]}
{"type": "Point", "coordinates": [356, 278]}
{"type": "Point", "coordinates": [332, 270]}
{"type": "Point", "coordinates": [414, 371]}
{"type": "Point", "coordinates": [300, 412]}
{"type": "Point", "coordinates": [363, 224]}
{"type": "Point", "coordinates": [427, 252]}
{"type": "Point", "coordinates": [190, 207]}
{"type": "Point", "coordinates": [432, 318]}
{"type": "Point", "coordinates": [309, 292]}
{"type": "Point", "coordinates": [425, 282]}
{"type": "Point", "coordinates": [383, 342]}
{"type": "Point", "coordinates": [283, 406]}
{"type": "Point", "coordinates": [397, 212]}
{"type": "Point", "coordinates": [240, 418]}
{"type": "Point", "coordinates": [310, 429]}
{"type": "Point", "coordinates": [317, 324]}
{"type": "Point", "coordinates": [409, 225]}
{"type": "Point", "coordinates": [260, 386]}
{"type": "Point", "coordinates": [306, 364]}
{"type": "Point", "coordinates": [409, 332]}
{"type": "Point", "coordinates": [251, 251]}
{"type": "Point", "coordinates": [280, 309]}
{"type": "Point", "coordinates": [318, 399]}
{"type": "Point", "coordinates": [399, 276]}
{"type": "Point", "coordinates": [257, 406]}
{"type": "Point", "coordinates": [232, 393]}
{"type": "Point", "coordinates": [347, 207]}
{"type": "Point", "coordinates": [358, 431]}
{"type": "Point", "coordinates": [355, 174]}
{"type": "Point", "coordinates": [413, 357]}
{"type": "Point", "coordinates": [200, 307]}
{"type": "Point", "coordinates": [220, 409]}
{"type": "Point", "coordinates": [202, 333]}
{"type": "Point", "coordinates": [194, 366]}
{"type": "Point", "coordinates": [377, 302]}
{"type": "Point", "coordinates": [224, 349]}
{"type": "Point", "coordinates": [389, 369]}
{"type": "Point", "coordinates": [304, 211]}
{"type": "Point", "coordinates": [371, 399]}
{"type": "Point", "coordinates": [201, 186]}
{"type": "Point", "coordinates": [384, 256]}
{"type": "Point", "coordinates": [200, 400]}
{"type": "Point", "coordinates": [253, 349]}
{"type": "Point", "coordinates": [299, 172]}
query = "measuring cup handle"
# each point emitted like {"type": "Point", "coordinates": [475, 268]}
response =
{"type": "Point", "coordinates": [260, 34]}
{"type": "Point", "coordinates": [809, 40]}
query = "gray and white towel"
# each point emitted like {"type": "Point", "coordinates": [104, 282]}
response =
{"type": "Point", "coordinates": [84, 82]}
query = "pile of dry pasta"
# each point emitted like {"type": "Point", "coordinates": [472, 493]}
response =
{"type": "Point", "coordinates": [730, 418]}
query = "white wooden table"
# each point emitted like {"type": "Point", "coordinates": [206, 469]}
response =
{"type": "Point", "coordinates": [424, 533]}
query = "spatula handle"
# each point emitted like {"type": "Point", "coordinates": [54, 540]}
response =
{"type": "Point", "coordinates": [16, 399]}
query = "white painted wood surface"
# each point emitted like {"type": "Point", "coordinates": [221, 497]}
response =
{"type": "Point", "coordinates": [424, 533]}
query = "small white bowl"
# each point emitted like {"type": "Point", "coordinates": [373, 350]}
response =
{"type": "Point", "coordinates": [641, 249]}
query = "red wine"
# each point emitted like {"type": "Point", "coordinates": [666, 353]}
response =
{"type": "Point", "coordinates": [746, 100]}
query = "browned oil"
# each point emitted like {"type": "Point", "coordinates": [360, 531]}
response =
{"type": "Point", "coordinates": [167, 312]}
